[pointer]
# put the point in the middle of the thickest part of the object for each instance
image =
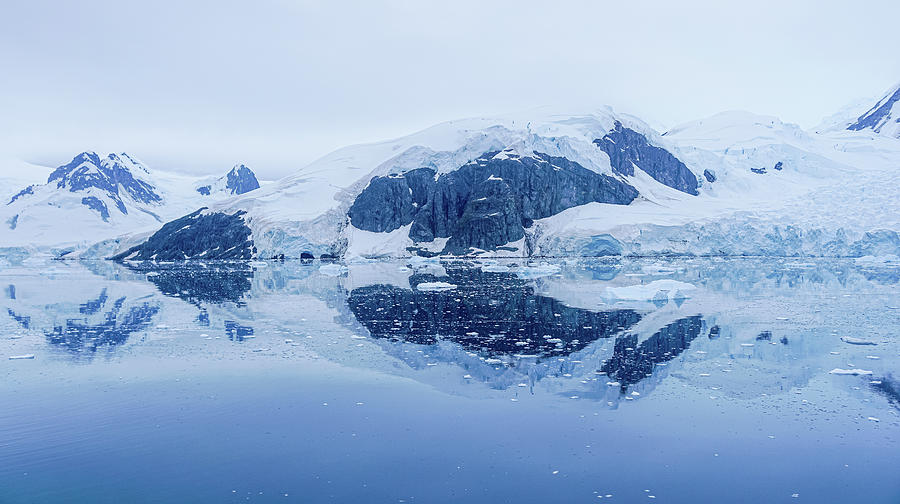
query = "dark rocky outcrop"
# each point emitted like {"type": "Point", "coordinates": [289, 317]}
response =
{"type": "Point", "coordinates": [24, 192]}
{"type": "Point", "coordinates": [627, 148]}
{"type": "Point", "coordinates": [241, 180]}
{"type": "Point", "coordinates": [196, 236]}
{"type": "Point", "coordinates": [96, 205]}
{"type": "Point", "coordinates": [484, 204]}
{"type": "Point", "coordinates": [878, 115]}
{"type": "Point", "coordinates": [391, 202]}
{"type": "Point", "coordinates": [709, 175]}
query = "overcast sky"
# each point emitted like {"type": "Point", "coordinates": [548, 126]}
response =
{"type": "Point", "coordinates": [198, 86]}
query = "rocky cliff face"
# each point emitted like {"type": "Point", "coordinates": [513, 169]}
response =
{"type": "Point", "coordinates": [628, 149]}
{"type": "Point", "coordinates": [196, 236]}
{"type": "Point", "coordinates": [881, 117]}
{"type": "Point", "coordinates": [484, 204]}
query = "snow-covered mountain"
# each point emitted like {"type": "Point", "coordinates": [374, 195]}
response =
{"type": "Point", "coordinates": [237, 181]}
{"type": "Point", "coordinates": [881, 118]}
{"type": "Point", "coordinates": [884, 117]}
{"type": "Point", "coordinates": [93, 198]}
{"type": "Point", "coordinates": [565, 184]}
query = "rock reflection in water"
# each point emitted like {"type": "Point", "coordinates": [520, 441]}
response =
{"type": "Point", "coordinates": [82, 336]}
{"type": "Point", "coordinates": [215, 283]}
{"type": "Point", "coordinates": [489, 313]}
{"type": "Point", "coordinates": [632, 362]}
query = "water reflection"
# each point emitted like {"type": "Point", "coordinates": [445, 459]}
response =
{"type": "Point", "coordinates": [632, 362]}
{"type": "Point", "coordinates": [196, 283]}
{"type": "Point", "coordinates": [498, 328]}
{"type": "Point", "coordinates": [237, 332]}
{"type": "Point", "coordinates": [23, 320]}
{"type": "Point", "coordinates": [81, 336]}
{"type": "Point", "coordinates": [889, 388]}
{"type": "Point", "coordinates": [489, 313]}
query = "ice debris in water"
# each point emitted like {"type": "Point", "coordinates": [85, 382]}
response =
{"type": "Point", "coordinates": [851, 372]}
{"type": "Point", "coordinates": [435, 286]}
{"type": "Point", "coordinates": [21, 357]}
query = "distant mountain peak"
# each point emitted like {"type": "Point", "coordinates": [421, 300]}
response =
{"type": "Point", "coordinates": [112, 175]}
{"type": "Point", "coordinates": [239, 180]}
{"type": "Point", "coordinates": [884, 117]}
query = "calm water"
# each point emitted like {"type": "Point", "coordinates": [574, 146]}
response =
{"type": "Point", "coordinates": [526, 382]}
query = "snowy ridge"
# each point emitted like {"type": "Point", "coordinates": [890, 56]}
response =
{"type": "Point", "coordinates": [92, 198]}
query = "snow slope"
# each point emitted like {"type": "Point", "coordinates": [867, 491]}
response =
{"type": "Point", "coordinates": [93, 198]}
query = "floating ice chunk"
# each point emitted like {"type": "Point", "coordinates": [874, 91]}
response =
{"type": "Point", "coordinates": [873, 419]}
{"type": "Point", "coordinates": [852, 372]}
{"type": "Point", "coordinates": [657, 289]}
{"type": "Point", "coordinates": [21, 357]}
{"type": "Point", "coordinates": [435, 286]}
{"type": "Point", "coordinates": [495, 268]}
{"type": "Point", "coordinates": [856, 341]}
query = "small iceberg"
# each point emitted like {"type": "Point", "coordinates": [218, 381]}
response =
{"type": "Point", "coordinates": [856, 341]}
{"type": "Point", "coordinates": [850, 372]}
{"type": "Point", "coordinates": [21, 357]}
{"type": "Point", "coordinates": [435, 286]}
